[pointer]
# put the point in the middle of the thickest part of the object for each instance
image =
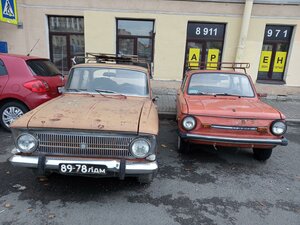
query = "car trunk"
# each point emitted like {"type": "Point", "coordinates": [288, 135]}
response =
{"type": "Point", "coordinates": [43, 69]}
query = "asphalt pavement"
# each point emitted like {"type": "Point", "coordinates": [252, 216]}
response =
{"type": "Point", "coordinates": [224, 186]}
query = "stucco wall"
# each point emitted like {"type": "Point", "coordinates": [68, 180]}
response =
{"type": "Point", "coordinates": [171, 18]}
{"type": "Point", "coordinates": [170, 40]}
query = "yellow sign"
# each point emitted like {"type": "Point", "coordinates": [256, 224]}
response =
{"type": "Point", "coordinates": [279, 62]}
{"type": "Point", "coordinates": [9, 12]}
{"type": "Point", "coordinates": [212, 59]}
{"type": "Point", "coordinates": [194, 57]}
{"type": "Point", "coordinates": [265, 60]}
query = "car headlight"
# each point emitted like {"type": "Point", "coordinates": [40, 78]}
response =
{"type": "Point", "coordinates": [140, 147]}
{"type": "Point", "coordinates": [278, 128]}
{"type": "Point", "coordinates": [189, 123]}
{"type": "Point", "coordinates": [26, 143]}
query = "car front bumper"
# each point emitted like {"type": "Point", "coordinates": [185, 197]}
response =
{"type": "Point", "coordinates": [114, 166]}
{"type": "Point", "coordinates": [251, 141]}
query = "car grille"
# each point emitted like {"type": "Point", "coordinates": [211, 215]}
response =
{"type": "Point", "coordinates": [88, 145]}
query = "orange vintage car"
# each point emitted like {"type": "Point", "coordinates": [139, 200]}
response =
{"type": "Point", "coordinates": [222, 108]}
{"type": "Point", "coordinates": [104, 124]}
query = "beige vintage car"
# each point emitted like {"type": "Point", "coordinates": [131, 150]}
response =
{"type": "Point", "coordinates": [104, 124]}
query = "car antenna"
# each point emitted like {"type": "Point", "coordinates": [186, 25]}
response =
{"type": "Point", "coordinates": [33, 47]}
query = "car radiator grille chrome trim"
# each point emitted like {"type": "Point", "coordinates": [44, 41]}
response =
{"type": "Point", "coordinates": [82, 144]}
{"type": "Point", "coordinates": [234, 127]}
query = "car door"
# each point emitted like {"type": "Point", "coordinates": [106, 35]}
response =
{"type": "Point", "coordinates": [3, 76]}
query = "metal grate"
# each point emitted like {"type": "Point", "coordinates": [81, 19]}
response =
{"type": "Point", "coordinates": [84, 145]}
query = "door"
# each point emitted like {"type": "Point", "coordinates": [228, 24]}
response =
{"type": "Point", "coordinates": [204, 45]}
{"type": "Point", "coordinates": [274, 53]}
{"type": "Point", "coordinates": [59, 52]}
{"type": "Point", "coordinates": [66, 36]}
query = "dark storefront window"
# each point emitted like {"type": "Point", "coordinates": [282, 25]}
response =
{"type": "Point", "coordinates": [204, 44]}
{"type": "Point", "coordinates": [274, 53]}
{"type": "Point", "coordinates": [135, 37]}
{"type": "Point", "coordinates": [66, 35]}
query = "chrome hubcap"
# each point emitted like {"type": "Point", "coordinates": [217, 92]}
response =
{"type": "Point", "coordinates": [10, 114]}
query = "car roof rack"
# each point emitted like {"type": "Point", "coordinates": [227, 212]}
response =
{"type": "Point", "coordinates": [113, 59]}
{"type": "Point", "coordinates": [192, 65]}
{"type": "Point", "coordinates": [108, 58]}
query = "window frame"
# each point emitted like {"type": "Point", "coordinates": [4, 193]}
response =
{"type": "Point", "coordinates": [67, 35]}
{"type": "Point", "coordinates": [275, 44]}
{"type": "Point", "coordinates": [135, 37]}
{"type": "Point", "coordinates": [203, 41]}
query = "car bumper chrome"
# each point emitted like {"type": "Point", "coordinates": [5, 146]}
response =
{"type": "Point", "coordinates": [52, 163]}
{"type": "Point", "coordinates": [259, 141]}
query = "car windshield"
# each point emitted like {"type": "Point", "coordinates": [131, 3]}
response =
{"type": "Point", "coordinates": [220, 84]}
{"type": "Point", "coordinates": [108, 81]}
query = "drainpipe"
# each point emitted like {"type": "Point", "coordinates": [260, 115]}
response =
{"type": "Point", "coordinates": [244, 30]}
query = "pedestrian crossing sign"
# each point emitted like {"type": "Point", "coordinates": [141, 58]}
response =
{"type": "Point", "coordinates": [9, 12]}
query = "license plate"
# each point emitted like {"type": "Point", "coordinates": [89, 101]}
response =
{"type": "Point", "coordinates": [83, 169]}
{"type": "Point", "coordinates": [60, 89]}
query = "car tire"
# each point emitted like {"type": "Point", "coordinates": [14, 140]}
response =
{"type": "Point", "coordinates": [262, 154]}
{"type": "Point", "coordinates": [183, 146]}
{"type": "Point", "coordinates": [6, 110]}
{"type": "Point", "coordinates": [145, 179]}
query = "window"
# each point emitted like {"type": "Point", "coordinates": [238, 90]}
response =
{"type": "Point", "coordinates": [42, 67]}
{"type": "Point", "coordinates": [204, 44]}
{"type": "Point", "coordinates": [3, 70]}
{"type": "Point", "coordinates": [135, 37]}
{"type": "Point", "coordinates": [66, 35]}
{"type": "Point", "coordinates": [274, 52]}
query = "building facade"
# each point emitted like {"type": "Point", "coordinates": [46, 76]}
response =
{"type": "Point", "coordinates": [168, 34]}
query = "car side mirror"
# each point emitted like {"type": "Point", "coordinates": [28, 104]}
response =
{"type": "Point", "coordinates": [262, 95]}
{"type": "Point", "coordinates": [155, 99]}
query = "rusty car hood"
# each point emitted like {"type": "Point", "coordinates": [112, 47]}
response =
{"type": "Point", "coordinates": [92, 112]}
{"type": "Point", "coordinates": [232, 107]}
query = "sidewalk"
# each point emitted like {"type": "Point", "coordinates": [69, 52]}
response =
{"type": "Point", "coordinates": [284, 98]}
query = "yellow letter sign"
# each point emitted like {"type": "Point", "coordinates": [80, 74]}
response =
{"type": "Point", "coordinates": [279, 62]}
{"type": "Point", "coordinates": [194, 57]}
{"type": "Point", "coordinates": [265, 60]}
{"type": "Point", "coordinates": [212, 59]}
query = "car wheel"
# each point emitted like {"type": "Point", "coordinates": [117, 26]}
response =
{"type": "Point", "coordinates": [183, 146]}
{"type": "Point", "coordinates": [145, 179]}
{"type": "Point", "coordinates": [262, 154]}
{"type": "Point", "coordinates": [11, 111]}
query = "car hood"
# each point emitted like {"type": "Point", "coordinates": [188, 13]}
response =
{"type": "Point", "coordinates": [232, 107]}
{"type": "Point", "coordinates": [90, 112]}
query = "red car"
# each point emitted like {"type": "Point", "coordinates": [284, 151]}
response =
{"type": "Point", "coordinates": [25, 83]}
{"type": "Point", "coordinates": [222, 108]}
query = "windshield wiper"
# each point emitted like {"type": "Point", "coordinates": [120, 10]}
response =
{"type": "Point", "coordinates": [76, 90]}
{"type": "Point", "coordinates": [203, 93]}
{"type": "Point", "coordinates": [226, 94]}
{"type": "Point", "coordinates": [100, 91]}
